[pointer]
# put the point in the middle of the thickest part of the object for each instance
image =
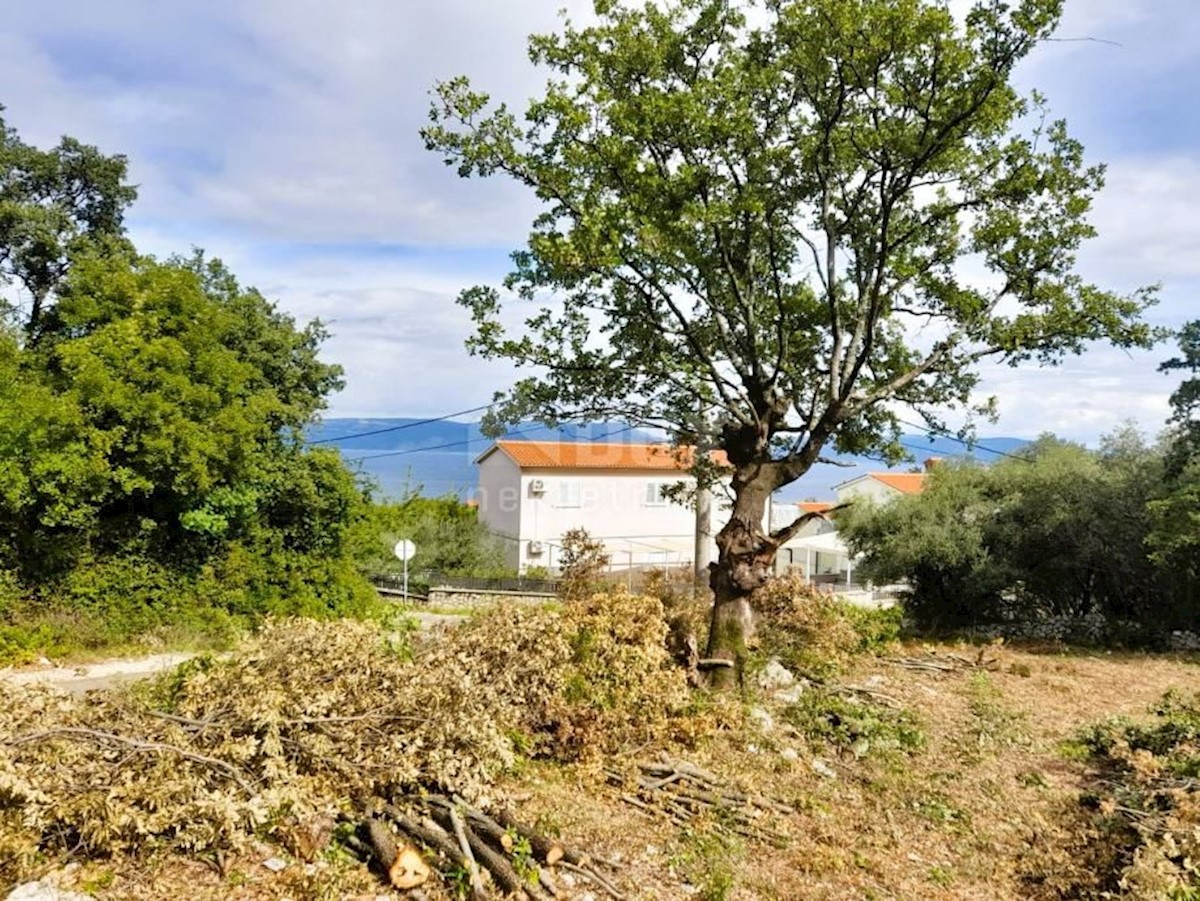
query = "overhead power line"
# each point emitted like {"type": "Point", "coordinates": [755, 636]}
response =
{"type": "Point", "coordinates": [970, 445]}
{"type": "Point", "coordinates": [402, 427]}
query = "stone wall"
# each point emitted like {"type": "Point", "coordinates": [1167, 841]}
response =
{"type": "Point", "coordinates": [473, 597]}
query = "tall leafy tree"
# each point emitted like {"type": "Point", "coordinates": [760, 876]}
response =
{"type": "Point", "coordinates": [760, 209]}
{"type": "Point", "coordinates": [53, 204]}
{"type": "Point", "coordinates": [1185, 400]}
{"type": "Point", "coordinates": [161, 405]}
{"type": "Point", "coordinates": [1175, 539]}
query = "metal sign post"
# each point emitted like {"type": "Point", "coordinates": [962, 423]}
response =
{"type": "Point", "coordinates": [404, 549]}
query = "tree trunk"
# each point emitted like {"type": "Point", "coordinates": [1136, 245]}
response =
{"type": "Point", "coordinates": [745, 561]}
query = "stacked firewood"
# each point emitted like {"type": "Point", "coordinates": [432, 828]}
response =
{"type": "Point", "coordinates": [683, 793]}
{"type": "Point", "coordinates": [499, 854]}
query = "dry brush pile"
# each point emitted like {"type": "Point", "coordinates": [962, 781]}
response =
{"type": "Point", "coordinates": [1135, 833]}
{"type": "Point", "coordinates": [310, 721]}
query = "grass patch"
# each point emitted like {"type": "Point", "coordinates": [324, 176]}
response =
{"type": "Point", "coordinates": [709, 859]}
{"type": "Point", "coordinates": [993, 723]}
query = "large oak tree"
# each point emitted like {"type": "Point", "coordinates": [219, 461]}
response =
{"type": "Point", "coordinates": [799, 216]}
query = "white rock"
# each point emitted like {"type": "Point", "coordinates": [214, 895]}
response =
{"type": "Point", "coordinates": [875, 681]}
{"type": "Point", "coordinates": [275, 864]}
{"type": "Point", "coordinates": [775, 676]}
{"type": "Point", "coordinates": [789, 695]}
{"type": "Point", "coordinates": [821, 768]}
{"type": "Point", "coordinates": [44, 891]}
{"type": "Point", "coordinates": [790, 754]}
{"type": "Point", "coordinates": [760, 718]}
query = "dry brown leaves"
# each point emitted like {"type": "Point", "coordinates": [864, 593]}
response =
{"type": "Point", "coordinates": [310, 716]}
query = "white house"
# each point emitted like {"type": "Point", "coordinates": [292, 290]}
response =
{"type": "Point", "coordinates": [532, 492]}
{"type": "Point", "coordinates": [882, 487]}
{"type": "Point", "coordinates": [817, 551]}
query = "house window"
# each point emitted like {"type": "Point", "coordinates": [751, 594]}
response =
{"type": "Point", "coordinates": [654, 494]}
{"type": "Point", "coordinates": [568, 493]}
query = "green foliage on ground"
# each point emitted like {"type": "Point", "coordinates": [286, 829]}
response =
{"type": "Point", "coordinates": [817, 634]}
{"type": "Point", "coordinates": [848, 722]}
{"type": "Point", "coordinates": [228, 750]}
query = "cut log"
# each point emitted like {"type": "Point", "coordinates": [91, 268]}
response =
{"type": "Point", "coordinates": [544, 849]}
{"type": "Point", "coordinates": [429, 834]}
{"type": "Point", "coordinates": [409, 869]}
{"type": "Point", "coordinates": [402, 864]}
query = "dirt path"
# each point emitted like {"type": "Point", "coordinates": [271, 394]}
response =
{"type": "Point", "coordinates": [90, 676]}
{"type": "Point", "coordinates": [87, 677]}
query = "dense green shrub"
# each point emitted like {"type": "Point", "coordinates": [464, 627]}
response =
{"type": "Point", "coordinates": [1058, 532]}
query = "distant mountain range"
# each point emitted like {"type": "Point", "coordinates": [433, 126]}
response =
{"type": "Point", "coordinates": [438, 458]}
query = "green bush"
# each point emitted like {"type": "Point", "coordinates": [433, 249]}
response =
{"type": "Point", "coordinates": [116, 602]}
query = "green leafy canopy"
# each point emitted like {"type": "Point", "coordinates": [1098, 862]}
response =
{"type": "Point", "coordinates": [769, 209]}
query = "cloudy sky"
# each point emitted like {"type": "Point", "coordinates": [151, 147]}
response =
{"type": "Point", "coordinates": [281, 135]}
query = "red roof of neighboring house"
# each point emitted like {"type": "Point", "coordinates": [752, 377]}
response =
{"type": "Point", "coordinates": [904, 482]}
{"type": "Point", "coordinates": [596, 455]}
{"type": "Point", "coordinates": [816, 506]}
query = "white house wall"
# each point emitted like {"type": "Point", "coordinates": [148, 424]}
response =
{"type": "Point", "coordinates": [866, 487]}
{"type": "Point", "coordinates": [612, 506]}
{"type": "Point", "coordinates": [499, 497]}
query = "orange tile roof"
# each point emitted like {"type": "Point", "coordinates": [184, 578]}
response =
{"type": "Point", "coordinates": [816, 506]}
{"type": "Point", "coordinates": [904, 482]}
{"type": "Point", "coordinates": [596, 455]}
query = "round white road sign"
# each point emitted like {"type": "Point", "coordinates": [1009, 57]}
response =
{"type": "Point", "coordinates": [405, 549]}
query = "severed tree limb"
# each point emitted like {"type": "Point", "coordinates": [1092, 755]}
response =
{"type": "Point", "coordinates": [99, 735]}
{"type": "Point", "coordinates": [479, 821]}
{"type": "Point", "coordinates": [429, 834]}
{"type": "Point", "coordinates": [592, 876]}
{"type": "Point", "coordinates": [456, 824]}
{"type": "Point", "coordinates": [548, 884]}
{"type": "Point", "coordinates": [544, 849]}
{"type": "Point", "coordinates": [402, 864]}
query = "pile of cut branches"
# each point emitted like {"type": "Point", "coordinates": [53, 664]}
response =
{"type": "Point", "coordinates": [309, 718]}
{"type": "Point", "coordinates": [1136, 831]}
{"type": "Point", "coordinates": [683, 793]}
{"type": "Point", "coordinates": [496, 852]}
{"type": "Point", "coordinates": [947, 663]}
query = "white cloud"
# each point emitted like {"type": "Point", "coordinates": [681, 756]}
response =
{"type": "Point", "coordinates": [1147, 220]}
{"type": "Point", "coordinates": [1084, 398]}
{"type": "Point", "coordinates": [257, 128]}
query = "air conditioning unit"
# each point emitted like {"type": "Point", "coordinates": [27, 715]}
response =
{"type": "Point", "coordinates": [535, 548]}
{"type": "Point", "coordinates": [537, 486]}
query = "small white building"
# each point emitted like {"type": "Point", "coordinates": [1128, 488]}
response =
{"type": "Point", "coordinates": [817, 551]}
{"type": "Point", "coordinates": [532, 492]}
{"type": "Point", "coordinates": [881, 487]}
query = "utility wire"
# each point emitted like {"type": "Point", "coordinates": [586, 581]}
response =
{"type": "Point", "coordinates": [400, 428]}
{"type": "Point", "coordinates": [432, 447]}
{"type": "Point", "coordinates": [967, 444]}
